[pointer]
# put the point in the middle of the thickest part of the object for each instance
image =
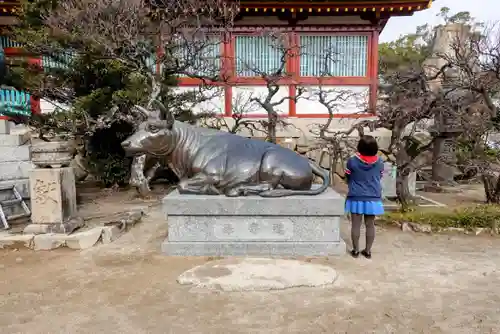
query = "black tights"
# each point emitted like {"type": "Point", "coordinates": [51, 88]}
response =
{"type": "Point", "coordinates": [357, 220]}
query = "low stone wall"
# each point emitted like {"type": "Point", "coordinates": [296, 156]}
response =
{"type": "Point", "coordinates": [15, 162]}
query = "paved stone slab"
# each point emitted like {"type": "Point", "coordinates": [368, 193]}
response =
{"type": "Point", "coordinates": [258, 274]}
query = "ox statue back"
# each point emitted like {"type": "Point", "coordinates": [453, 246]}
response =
{"type": "Point", "coordinates": [212, 162]}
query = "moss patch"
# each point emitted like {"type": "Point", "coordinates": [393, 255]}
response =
{"type": "Point", "coordinates": [469, 218]}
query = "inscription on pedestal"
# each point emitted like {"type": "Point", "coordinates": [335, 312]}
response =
{"type": "Point", "coordinates": [53, 195]}
{"type": "Point", "coordinates": [276, 228]}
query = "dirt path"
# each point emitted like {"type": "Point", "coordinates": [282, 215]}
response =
{"type": "Point", "coordinates": [415, 284]}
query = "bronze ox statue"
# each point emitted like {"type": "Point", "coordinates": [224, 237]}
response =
{"type": "Point", "coordinates": [212, 162]}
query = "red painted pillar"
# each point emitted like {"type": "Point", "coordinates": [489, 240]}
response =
{"type": "Point", "coordinates": [35, 100]}
{"type": "Point", "coordinates": [294, 70]}
{"type": "Point", "coordinates": [228, 74]}
{"type": "Point", "coordinates": [373, 71]}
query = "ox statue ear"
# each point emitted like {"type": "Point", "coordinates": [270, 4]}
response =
{"type": "Point", "coordinates": [169, 120]}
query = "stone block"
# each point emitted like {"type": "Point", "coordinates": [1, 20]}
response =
{"type": "Point", "coordinates": [65, 227]}
{"type": "Point", "coordinates": [47, 241]}
{"type": "Point", "coordinates": [13, 139]}
{"type": "Point", "coordinates": [84, 239]}
{"type": "Point", "coordinates": [16, 241]}
{"type": "Point", "coordinates": [15, 170]}
{"type": "Point", "coordinates": [253, 225]}
{"type": "Point", "coordinates": [53, 195]}
{"type": "Point", "coordinates": [15, 153]}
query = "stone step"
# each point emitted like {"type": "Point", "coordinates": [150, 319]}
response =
{"type": "Point", "coordinates": [13, 140]}
{"type": "Point", "coordinates": [15, 170]}
{"type": "Point", "coordinates": [15, 153]}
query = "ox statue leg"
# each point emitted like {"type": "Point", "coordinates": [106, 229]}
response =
{"type": "Point", "coordinates": [245, 190]}
{"type": "Point", "coordinates": [200, 184]}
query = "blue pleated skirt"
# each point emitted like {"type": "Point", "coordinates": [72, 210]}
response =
{"type": "Point", "coordinates": [364, 207]}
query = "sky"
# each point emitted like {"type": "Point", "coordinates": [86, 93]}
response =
{"type": "Point", "coordinates": [482, 10]}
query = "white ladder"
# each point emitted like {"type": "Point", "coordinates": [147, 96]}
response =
{"type": "Point", "coordinates": [17, 200]}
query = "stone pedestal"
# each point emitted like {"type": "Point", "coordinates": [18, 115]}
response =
{"type": "Point", "coordinates": [53, 201]}
{"type": "Point", "coordinates": [55, 154]}
{"type": "Point", "coordinates": [255, 226]}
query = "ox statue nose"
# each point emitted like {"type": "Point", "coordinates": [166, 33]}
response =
{"type": "Point", "coordinates": [126, 144]}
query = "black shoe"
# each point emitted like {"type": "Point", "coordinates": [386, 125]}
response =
{"type": "Point", "coordinates": [366, 254]}
{"type": "Point", "coordinates": [354, 253]}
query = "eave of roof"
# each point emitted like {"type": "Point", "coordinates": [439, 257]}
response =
{"type": "Point", "coordinates": [336, 7]}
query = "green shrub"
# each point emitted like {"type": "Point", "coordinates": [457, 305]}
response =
{"type": "Point", "coordinates": [106, 158]}
{"type": "Point", "coordinates": [480, 216]}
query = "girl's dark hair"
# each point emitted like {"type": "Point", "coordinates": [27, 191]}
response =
{"type": "Point", "coordinates": [368, 146]}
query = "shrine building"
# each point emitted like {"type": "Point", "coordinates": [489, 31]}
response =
{"type": "Point", "coordinates": [351, 28]}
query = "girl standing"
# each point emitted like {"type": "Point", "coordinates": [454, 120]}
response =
{"type": "Point", "coordinates": [364, 199]}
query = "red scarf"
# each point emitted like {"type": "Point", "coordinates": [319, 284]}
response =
{"type": "Point", "coordinates": [368, 159]}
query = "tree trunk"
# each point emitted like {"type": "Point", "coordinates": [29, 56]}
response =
{"type": "Point", "coordinates": [271, 126]}
{"type": "Point", "coordinates": [334, 161]}
{"type": "Point", "coordinates": [491, 185]}
{"type": "Point", "coordinates": [403, 187]}
{"type": "Point", "coordinates": [271, 133]}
